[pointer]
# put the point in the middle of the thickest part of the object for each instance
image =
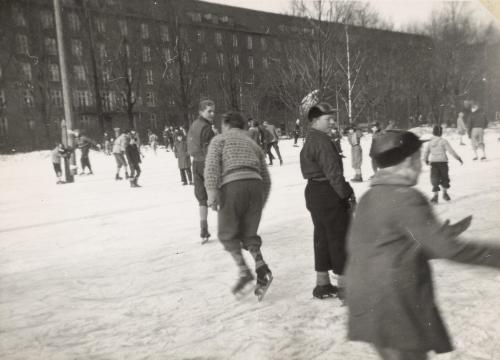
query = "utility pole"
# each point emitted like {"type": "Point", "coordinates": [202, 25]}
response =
{"type": "Point", "coordinates": [68, 116]}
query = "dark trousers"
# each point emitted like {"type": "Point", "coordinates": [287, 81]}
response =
{"type": "Point", "coordinates": [85, 162]}
{"type": "Point", "coordinates": [199, 182]}
{"type": "Point", "coordinates": [135, 170]}
{"type": "Point", "coordinates": [57, 169]}
{"type": "Point", "coordinates": [330, 216]}
{"type": "Point", "coordinates": [184, 172]}
{"type": "Point", "coordinates": [374, 166]}
{"type": "Point", "coordinates": [396, 354]}
{"type": "Point", "coordinates": [439, 176]}
{"type": "Point", "coordinates": [295, 138]}
{"type": "Point", "coordinates": [241, 204]}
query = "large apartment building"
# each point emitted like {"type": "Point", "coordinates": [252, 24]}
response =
{"type": "Point", "coordinates": [146, 63]}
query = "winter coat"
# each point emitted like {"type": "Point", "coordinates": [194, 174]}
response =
{"type": "Point", "coordinates": [389, 290]}
{"type": "Point", "coordinates": [320, 159]}
{"type": "Point", "coordinates": [436, 149]}
{"type": "Point", "coordinates": [180, 151]}
{"type": "Point", "coordinates": [461, 127]}
{"type": "Point", "coordinates": [477, 119]}
{"type": "Point", "coordinates": [255, 135]}
{"type": "Point", "coordinates": [266, 136]}
{"type": "Point", "coordinates": [273, 137]}
{"type": "Point", "coordinates": [133, 154]}
{"type": "Point", "coordinates": [198, 138]}
{"type": "Point", "coordinates": [120, 144]}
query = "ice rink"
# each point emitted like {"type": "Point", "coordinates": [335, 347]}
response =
{"type": "Point", "coordinates": [99, 270]}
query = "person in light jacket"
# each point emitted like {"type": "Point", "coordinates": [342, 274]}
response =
{"type": "Point", "coordinates": [393, 237]}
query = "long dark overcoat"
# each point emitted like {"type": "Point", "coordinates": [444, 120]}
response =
{"type": "Point", "coordinates": [183, 158]}
{"type": "Point", "coordinates": [389, 290]}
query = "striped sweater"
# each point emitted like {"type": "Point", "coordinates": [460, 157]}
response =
{"type": "Point", "coordinates": [233, 156]}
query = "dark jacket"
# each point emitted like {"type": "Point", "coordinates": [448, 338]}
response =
{"type": "Point", "coordinates": [180, 151]}
{"type": "Point", "coordinates": [133, 154]}
{"type": "Point", "coordinates": [84, 144]}
{"type": "Point", "coordinates": [255, 134]}
{"type": "Point", "coordinates": [477, 119]}
{"type": "Point", "coordinates": [389, 288]}
{"type": "Point", "coordinates": [319, 158]}
{"type": "Point", "coordinates": [198, 138]}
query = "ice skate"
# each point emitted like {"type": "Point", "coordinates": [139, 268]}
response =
{"type": "Point", "coordinates": [483, 158]}
{"type": "Point", "coordinates": [264, 279]}
{"type": "Point", "coordinates": [205, 236]}
{"type": "Point", "coordinates": [184, 183]}
{"type": "Point", "coordinates": [60, 182]}
{"type": "Point", "coordinates": [474, 158]}
{"type": "Point", "coordinates": [325, 291]}
{"type": "Point", "coordinates": [446, 197]}
{"type": "Point", "coordinates": [242, 288]}
{"type": "Point", "coordinates": [434, 199]}
{"type": "Point", "coordinates": [118, 177]}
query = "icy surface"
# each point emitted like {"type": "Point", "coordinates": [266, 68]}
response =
{"type": "Point", "coordinates": [98, 270]}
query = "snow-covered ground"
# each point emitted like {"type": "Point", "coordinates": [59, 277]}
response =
{"type": "Point", "coordinates": [98, 270]}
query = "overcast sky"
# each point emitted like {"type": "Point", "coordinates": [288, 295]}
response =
{"type": "Point", "coordinates": [399, 12]}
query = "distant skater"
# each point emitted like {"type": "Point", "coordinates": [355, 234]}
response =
{"type": "Point", "coordinates": [134, 160]}
{"type": "Point", "coordinates": [435, 156]}
{"type": "Point", "coordinates": [183, 159]}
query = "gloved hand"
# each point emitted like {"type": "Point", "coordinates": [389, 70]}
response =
{"type": "Point", "coordinates": [457, 228]}
{"type": "Point", "coordinates": [212, 201]}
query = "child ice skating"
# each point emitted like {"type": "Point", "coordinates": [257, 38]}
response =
{"type": "Point", "coordinates": [57, 154]}
{"type": "Point", "coordinates": [435, 156]}
{"type": "Point", "coordinates": [238, 184]}
{"type": "Point", "coordinates": [134, 159]}
{"type": "Point", "coordinates": [393, 238]}
{"type": "Point", "coordinates": [183, 159]}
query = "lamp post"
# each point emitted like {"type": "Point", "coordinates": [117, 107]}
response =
{"type": "Point", "coordinates": [67, 126]}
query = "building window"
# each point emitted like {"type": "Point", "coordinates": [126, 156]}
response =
{"type": "Point", "coordinates": [218, 38]}
{"type": "Point", "coordinates": [122, 24]}
{"type": "Point", "coordinates": [164, 33]}
{"type": "Point", "coordinates": [153, 121]}
{"type": "Point", "coordinates": [236, 60]}
{"type": "Point", "coordinates": [29, 100]}
{"type": "Point", "coordinates": [185, 57]}
{"type": "Point", "coordinates": [149, 77]}
{"type": "Point", "coordinates": [250, 62]}
{"type": "Point", "coordinates": [235, 40]}
{"type": "Point", "coordinates": [2, 99]}
{"type": "Point", "coordinates": [79, 72]}
{"type": "Point", "coordinates": [54, 72]}
{"type": "Point", "coordinates": [47, 19]}
{"type": "Point", "coordinates": [249, 42]}
{"type": "Point", "coordinates": [82, 98]}
{"type": "Point", "coordinates": [220, 59]}
{"type": "Point", "coordinates": [106, 75]}
{"type": "Point", "coordinates": [215, 19]}
{"type": "Point", "coordinates": [144, 31]}
{"type": "Point", "coordinates": [22, 44]}
{"type": "Point", "coordinates": [167, 54]}
{"type": "Point", "coordinates": [204, 58]}
{"type": "Point", "coordinates": [263, 43]}
{"type": "Point", "coordinates": [18, 16]}
{"type": "Point", "coordinates": [200, 36]}
{"type": "Point", "coordinates": [56, 97]}
{"type": "Point", "coordinates": [102, 51]}
{"type": "Point", "coordinates": [31, 124]}
{"type": "Point", "coordinates": [150, 99]}
{"type": "Point", "coordinates": [109, 100]}
{"type": "Point", "coordinates": [74, 22]}
{"type": "Point", "coordinates": [50, 46]}
{"type": "Point", "coordinates": [100, 25]}
{"type": "Point", "coordinates": [146, 54]}
{"type": "Point", "coordinates": [265, 62]}
{"type": "Point", "coordinates": [4, 126]}
{"type": "Point", "coordinates": [76, 47]}
{"type": "Point", "coordinates": [26, 70]}
{"type": "Point", "coordinates": [86, 121]}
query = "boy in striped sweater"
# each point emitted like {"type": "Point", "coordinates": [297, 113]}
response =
{"type": "Point", "coordinates": [238, 184]}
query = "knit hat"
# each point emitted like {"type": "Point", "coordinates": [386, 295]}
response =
{"type": "Point", "coordinates": [393, 146]}
{"type": "Point", "coordinates": [437, 130]}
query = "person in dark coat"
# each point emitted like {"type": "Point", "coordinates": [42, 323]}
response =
{"type": "Point", "coordinates": [198, 138]}
{"type": "Point", "coordinates": [134, 159]}
{"type": "Point", "coordinates": [183, 159]}
{"type": "Point", "coordinates": [394, 235]}
{"type": "Point", "coordinates": [329, 198]}
{"type": "Point", "coordinates": [376, 132]}
{"type": "Point", "coordinates": [255, 133]}
{"type": "Point", "coordinates": [296, 132]}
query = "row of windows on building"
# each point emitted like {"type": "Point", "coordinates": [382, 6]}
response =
{"type": "Point", "coordinates": [47, 22]}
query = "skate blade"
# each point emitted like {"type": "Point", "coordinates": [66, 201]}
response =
{"type": "Point", "coordinates": [204, 240]}
{"type": "Point", "coordinates": [260, 291]}
{"type": "Point", "coordinates": [247, 289]}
